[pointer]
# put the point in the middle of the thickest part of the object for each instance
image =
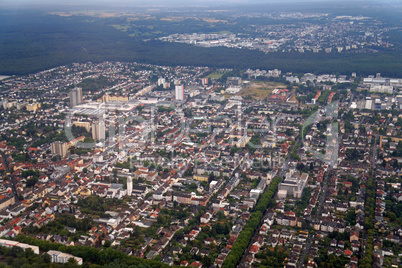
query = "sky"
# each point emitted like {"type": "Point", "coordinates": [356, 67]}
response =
{"type": "Point", "coordinates": [151, 2]}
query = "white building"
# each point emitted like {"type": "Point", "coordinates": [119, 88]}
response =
{"type": "Point", "coordinates": [59, 148]}
{"type": "Point", "coordinates": [129, 185]}
{"type": "Point", "coordinates": [161, 81]}
{"type": "Point", "coordinates": [293, 184]}
{"type": "Point", "coordinates": [179, 92]}
{"type": "Point", "coordinates": [98, 130]}
{"type": "Point", "coordinates": [60, 257]}
{"type": "Point", "coordinates": [10, 244]}
{"type": "Point", "coordinates": [75, 97]}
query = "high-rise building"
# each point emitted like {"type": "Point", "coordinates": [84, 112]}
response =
{"type": "Point", "coordinates": [59, 147]}
{"type": "Point", "coordinates": [161, 81]}
{"type": "Point", "coordinates": [129, 186]}
{"type": "Point", "coordinates": [179, 90]}
{"type": "Point", "coordinates": [75, 96]}
{"type": "Point", "coordinates": [98, 130]}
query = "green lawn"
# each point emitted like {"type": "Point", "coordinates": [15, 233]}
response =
{"type": "Point", "coordinates": [215, 75]}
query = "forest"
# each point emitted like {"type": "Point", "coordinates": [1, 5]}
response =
{"type": "Point", "coordinates": [34, 41]}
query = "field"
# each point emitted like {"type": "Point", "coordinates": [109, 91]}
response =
{"type": "Point", "coordinates": [215, 75]}
{"type": "Point", "coordinates": [259, 90]}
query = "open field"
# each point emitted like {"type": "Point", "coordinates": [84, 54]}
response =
{"type": "Point", "coordinates": [215, 75]}
{"type": "Point", "coordinates": [259, 90]}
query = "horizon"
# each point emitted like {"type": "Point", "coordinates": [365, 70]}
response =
{"type": "Point", "coordinates": [120, 3]}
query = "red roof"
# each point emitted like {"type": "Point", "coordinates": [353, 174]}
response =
{"type": "Point", "coordinates": [348, 252]}
{"type": "Point", "coordinates": [254, 249]}
{"type": "Point", "coordinates": [196, 264]}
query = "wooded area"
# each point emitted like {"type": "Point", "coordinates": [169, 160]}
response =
{"type": "Point", "coordinates": [40, 41]}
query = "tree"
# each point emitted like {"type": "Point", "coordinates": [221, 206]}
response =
{"type": "Point", "coordinates": [72, 262]}
{"type": "Point", "coordinates": [107, 243]}
{"type": "Point", "coordinates": [46, 258]}
{"type": "Point", "coordinates": [211, 177]}
{"type": "Point", "coordinates": [161, 220]}
{"type": "Point", "coordinates": [391, 216]}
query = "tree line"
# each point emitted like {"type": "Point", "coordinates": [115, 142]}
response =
{"type": "Point", "coordinates": [266, 201]}
{"type": "Point", "coordinates": [93, 256]}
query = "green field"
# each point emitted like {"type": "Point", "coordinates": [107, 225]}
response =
{"type": "Point", "coordinates": [215, 75]}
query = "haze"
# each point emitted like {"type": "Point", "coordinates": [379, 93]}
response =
{"type": "Point", "coordinates": [155, 2]}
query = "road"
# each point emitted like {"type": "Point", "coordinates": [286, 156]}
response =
{"type": "Point", "coordinates": [321, 201]}
{"type": "Point", "coordinates": [11, 177]}
{"type": "Point", "coordinates": [324, 194]}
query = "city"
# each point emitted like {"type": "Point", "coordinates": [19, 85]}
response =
{"type": "Point", "coordinates": [342, 34]}
{"type": "Point", "coordinates": [204, 167]}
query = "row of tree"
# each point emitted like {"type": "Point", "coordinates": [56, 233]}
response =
{"type": "Point", "coordinates": [265, 201]}
{"type": "Point", "coordinates": [93, 255]}
{"type": "Point", "coordinates": [17, 257]}
{"type": "Point", "coordinates": [369, 209]}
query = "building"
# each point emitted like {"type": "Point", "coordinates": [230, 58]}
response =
{"type": "Point", "coordinates": [161, 81]}
{"type": "Point", "coordinates": [6, 201]}
{"type": "Point", "coordinates": [98, 130]}
{"type": "Point", "coordinates": [86, 125]}
{"type": "Point", "coordinates": [74, 142]}
{"type": "Point", "coordinates": [129, 185]}
{"type": "Point", "coordinates": [241, 143]}
{"type": "Point", "coordinates": [293, 185]}
{"type": "Point", "coordinates": [107, 97]}
{"type": "Point", "coordinates": [33, 107]}
{"type": "Point", "coordinates": [59, 147]}
{"type": "Point", "coordinates": [60, 257]}
{"type": "Point", "coordinates": [382, 89]}
{"type": "Point", "coordinates": [10, 244]}
{"type": "Point", "coordinates": [75, 97]}
{"type": "Point", "coordinates": [179, 92]}
{"type": "Point", "coordinates": [234, 81]}
{"type": "Point", "coordinates": [200, 177]}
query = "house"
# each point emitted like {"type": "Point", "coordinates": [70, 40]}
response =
{"type": "Point", "coordinates": [387, 252]}
{"type": "Point", "coordinates": [348, 253]}
{"type": "Point", "coordinates": [264, 229]}
{"type": "Point", "coordinates": [196, 264]}
{"type": "Point", "coordinates": [177, 250]}
{"type": "Point", "coordinates": [254, 249]}
{"type": "Point", "coordinates": [194, 251]}
{"type": "Point", "coordinates": [286, 235]}
{"type": "Point", "coordinates": [354, 237]}
{"type": "Point", "coordinates": [205, 252]}
{"type": "Point", "coordinates": [205, 218]}
{"type": "Point", "coordinates": [168, 260]}
{"type": "Point", "coordinates": [210, 240]}
{"type": "Point", "coordinates": [355, 246]}
{"type": "Point", "coordinates": [311, 264]}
